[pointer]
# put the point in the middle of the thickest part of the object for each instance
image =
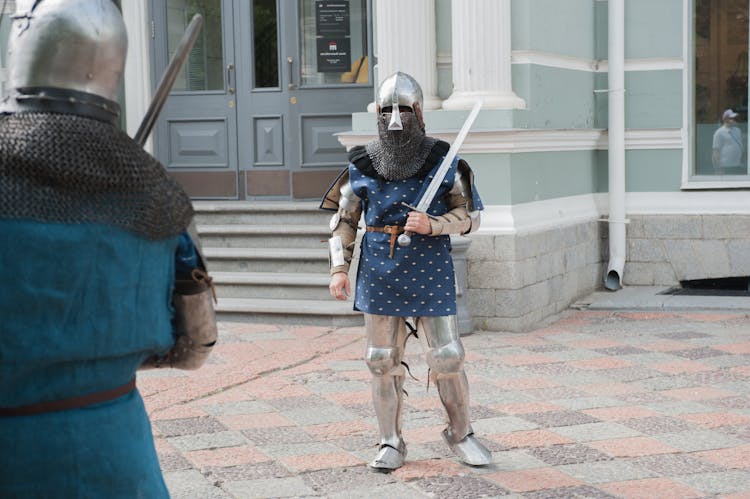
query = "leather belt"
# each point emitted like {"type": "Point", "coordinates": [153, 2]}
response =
{"type": "Point", "coordinates": [392, 230]}
{"type": "Point", "coordinates": [69, 403]}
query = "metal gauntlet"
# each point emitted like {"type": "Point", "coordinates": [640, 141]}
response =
{"type": "Point", "coordinates": [194, 323]}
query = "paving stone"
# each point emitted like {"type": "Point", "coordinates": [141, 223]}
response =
{"type": "Point", "coordinates": [660, 383]}
{"type": "Point", "coordinates": [550, 369]}
{"type": "Point", "coordinates": [621, 350]}
{"type": "Point", "coordinates": [556, 392]}
{"type": "Point", "coordinates": [644, 398]}
{"type": "Point", "coordinates": [557, 455]}
{"type": "Point", "coordinates": [502, 424]}
{"type": "Point", "coordinates": [725, 482]}
{"type": "Point", "coordinates": [238, 408]}
{"type": "Point", "coordinates": [448, 487]}
{"type": "Point", "coordinates": [291, 403]}
{"type": "Point", "coordinates": [356, 443]}
{"type": "Point", "coordinates": [683, 335]}
{"type": "Point", "coordinates": [596, 431]}
{"type": "Point", "coordinates": [631, 373]}
{"type": "Point", "coordinates": [338, 386]}
{"type": "Point", "coordinates": [554, 419]}
{"type": "Point", "coordinates": [264, 488]}
{"type": "Point", "coordinates": [699, 353]}
{"type": "Point", "coordinates": [657, 425]}
{"type": "Point", "coordinates": [548, 347]}
{"type": "Point", "coordinates": [606, 471]}
{"type": "Point", "coordinates": [272, 436]}
{"type": "Point", "coordinates": [580, 403]}
{"type": "Point", "coordinates": [173, 461]}
{"type": "Point", "coordinates": [698, 440]}
{"type": "Point", "coordinates": [207, 441]}
{"type": "Point", "coordinates": [727, 361]}
{"type": "Point", "coordinates": [266, 469]}
{"type": "Point", "coordinates": [678, 407]}
{"type": "Point", "coordinates": [190, 484]}
{"type": "Point", "coordinates": [580, 492]}
{"type": "Point", "coordinates": [319, 415]}
{"type": "Point", "coordinates": [740, 402]}
{"type": "Point", "coordinates": [389, 491]}
{"type": "Point", "coordinates": [675, 464]}
{"type": "Point", "coordinates": [739, 432]}
{"type": "Point", "coordinates": [188, 426]}
{"type": "Point", "coordinates": [478, 412]}
{"type": "Point", "coordinates": [513, 460]}
{"type": "Point", "coordinates": [341, 479]}
{"type": "Point", "coordinates": [361, 410]}
{"type": "Point", "coordinates": [298, 449]}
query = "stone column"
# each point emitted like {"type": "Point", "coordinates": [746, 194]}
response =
{"type": "Point", "coordinates": [406, 42]}
{"type": "Point", "coordinates": [481, 48]}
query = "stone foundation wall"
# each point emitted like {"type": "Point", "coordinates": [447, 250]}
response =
{"type": "Point", "coordinates": [667, 249]}
{"type": "Point", "coordinates": [516, 280]}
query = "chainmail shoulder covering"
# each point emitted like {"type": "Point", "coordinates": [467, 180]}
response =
{"type": "Point", "coordinates": [360, 158]}
{"type": "Point", "coordinates": [63, 168]}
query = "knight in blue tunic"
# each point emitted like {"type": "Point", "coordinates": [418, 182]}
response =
{"type": "Point", "coordinates": [101, 276]}
{"type": "Point", "coordinates": [382, 183]}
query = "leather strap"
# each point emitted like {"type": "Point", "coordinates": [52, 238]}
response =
{"type": "Point", "coordinates": [393, 230]}
{"type": "Point", "coordinates": [69, 403]}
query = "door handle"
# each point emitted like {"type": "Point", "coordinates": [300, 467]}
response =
{"type": "Point", "coordinates": [230, 70]}
{"type": "Point", "coordinates": [290, 61]}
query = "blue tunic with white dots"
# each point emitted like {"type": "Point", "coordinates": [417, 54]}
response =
{"type": "Point", "coordinates": [419, 279]}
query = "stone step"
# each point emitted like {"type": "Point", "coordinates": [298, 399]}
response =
{"type": "Point", "coordinates": [260, 213]}
{"type": "Point", "coordinates": [308, 260]}
{"type": "Point", "coordinates": [308, 312]}
{"type": "Point", "coordinates": [264, 236]}
{"type": "Point", "coordinates": [272, 285]}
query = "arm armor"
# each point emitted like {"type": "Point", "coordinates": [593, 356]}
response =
{"type": "Point", "coordinates": [194, 320]}
{"type": "Point", "coordinates": [343, 224]}
{"type": "Point", "coordinates": [462, 217]}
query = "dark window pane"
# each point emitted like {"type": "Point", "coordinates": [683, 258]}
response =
{"type": "Point", "coordinates": [266, 34]}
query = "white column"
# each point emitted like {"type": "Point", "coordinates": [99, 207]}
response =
{"type": "Point", "coordinates": [481, 48]}
{"type": "Point", "coordinates": [406, 42]}
{"type": "Point", "coordinates": [137, 78]}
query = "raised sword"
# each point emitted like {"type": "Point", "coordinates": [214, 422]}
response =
{"type": "Point", "coordinates": [429, 195]}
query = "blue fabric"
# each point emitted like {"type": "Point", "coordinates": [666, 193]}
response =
{"type": "Point", "coordinates": [419, 279]}
{"type": "Point", "coordinates": [82, 306]}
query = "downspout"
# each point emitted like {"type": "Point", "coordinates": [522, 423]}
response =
{"type": "Point", "coordinates": [616, 153]}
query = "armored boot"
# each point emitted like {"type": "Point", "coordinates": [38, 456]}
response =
{"type": "Point", "coordinates": [454, 394]}
{"type": "Point", "coordinates": [387, 398]}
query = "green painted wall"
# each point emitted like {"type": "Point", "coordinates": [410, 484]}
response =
{"type": "Point", "coordinates": [492, 176]}
{"type": "Point", "coordinates": [555, 98]}
{"type": "Point", "coordinates": [653, 99]}
{"type": "Point", "coordinates": [545, 25]}
{"type": "Point", "coordinates": [653, 170]}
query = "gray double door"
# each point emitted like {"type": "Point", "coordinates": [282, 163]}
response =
{"type": "Point", "coordinates": [265, 88]}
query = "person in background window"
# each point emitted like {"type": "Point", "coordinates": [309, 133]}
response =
{"type": "Point", "coordinates": [728, 148]}
{"type": "Point", "coordinates": [359, 73]}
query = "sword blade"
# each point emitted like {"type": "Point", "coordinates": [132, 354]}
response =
{"type": "Point", "coordinates": [167, 80]}
{"type": "Point", "coordinates": [429, 194]}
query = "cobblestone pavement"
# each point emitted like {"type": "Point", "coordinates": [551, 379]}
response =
{"type": "Point", "coordinates": [595, 405]}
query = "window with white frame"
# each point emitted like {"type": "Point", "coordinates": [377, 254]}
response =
{"type": "Point", "coordinates": [720, 91]}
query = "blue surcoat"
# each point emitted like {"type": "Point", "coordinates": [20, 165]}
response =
{"type": "Point", "coordinates": [419, 279]}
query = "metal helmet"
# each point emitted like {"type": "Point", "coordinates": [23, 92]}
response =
{"type": "Point", "coordinates": [74, 45]}
{"type": "Point", "coordinates": [399, 89]}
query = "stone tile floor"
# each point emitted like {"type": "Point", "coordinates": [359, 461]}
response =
{"type": "Point", "coordinates": [597, 404]}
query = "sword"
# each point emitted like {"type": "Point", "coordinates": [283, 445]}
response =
{"type": "Point", "coordinates": [167, 80]}
{"type": "Point", "coordinates": [429, 195]}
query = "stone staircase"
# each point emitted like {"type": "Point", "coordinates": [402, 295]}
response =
{"type": "Point", "coordinates": [269, 261]}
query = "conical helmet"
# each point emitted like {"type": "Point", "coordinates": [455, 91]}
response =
{"type": "Point", "coordinates": [399, 89]}
{"type": "Point", "coordinates": [77, 45]}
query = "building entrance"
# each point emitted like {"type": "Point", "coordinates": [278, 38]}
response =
{"type": "Point", "coordinates": [265, 88]}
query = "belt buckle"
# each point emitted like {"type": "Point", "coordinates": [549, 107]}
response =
{"type": "Point", "coordinates": [388, 229]}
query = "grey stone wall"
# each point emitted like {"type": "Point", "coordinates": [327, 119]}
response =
{"type": "Point", "coordinates": [667, 249]}
{"type": "Point", "coordinates": [516, 280]}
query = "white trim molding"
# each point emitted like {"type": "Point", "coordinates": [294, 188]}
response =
{"type": "Point", "coordinates": [551, 60]}
{"type": "Point", "coordinates": [524, 140]}
{"type": "Point", "coordinates": [565, 211]}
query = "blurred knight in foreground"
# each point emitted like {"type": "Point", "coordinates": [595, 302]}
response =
{"type": "Point", "coordinates": [101, 277]}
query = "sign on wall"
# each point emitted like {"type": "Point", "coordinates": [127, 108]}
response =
{"type": "Point", "coordinates": [333, 36]}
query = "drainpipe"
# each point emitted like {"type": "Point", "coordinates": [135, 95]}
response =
{"type": "Point", "coordinates": [616, 153]}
